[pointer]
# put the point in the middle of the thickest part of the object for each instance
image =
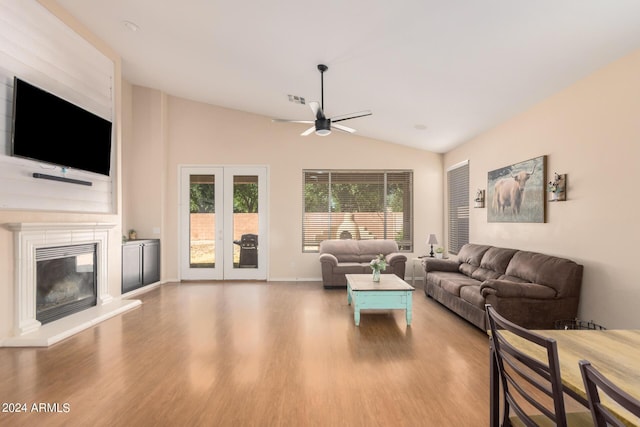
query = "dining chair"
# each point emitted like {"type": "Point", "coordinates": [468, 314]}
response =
{"type": "Point", "coordinates": [531, 387]}
{"type": "Point", "coordinates": [594, 381]}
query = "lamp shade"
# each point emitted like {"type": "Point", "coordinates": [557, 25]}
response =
{"type": "Point", "coordinates": [432, 240]}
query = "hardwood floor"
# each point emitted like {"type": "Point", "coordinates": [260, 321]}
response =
{"type": "Point", "coordinates": [255, 354]}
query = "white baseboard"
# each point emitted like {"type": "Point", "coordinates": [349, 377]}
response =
{"type": "Point", "coordinates": [143, 289]}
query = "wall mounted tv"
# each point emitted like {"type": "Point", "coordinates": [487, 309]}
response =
{"type": "Point", "coordinates": [49, 129]}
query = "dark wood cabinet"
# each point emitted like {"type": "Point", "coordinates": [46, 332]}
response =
{"type": "Point", "coordinates": [131, 266]}
{"type": "Point", "coordinates": [140, 263]}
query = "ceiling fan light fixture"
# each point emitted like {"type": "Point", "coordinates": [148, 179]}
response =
{"type": "Point", "coordinates": [323, 126]}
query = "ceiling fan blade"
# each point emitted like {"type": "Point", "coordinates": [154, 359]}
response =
{"type": "Point", "coordinates": [308, 131]}
{"type": "Point", "coordinates": [322, 124]}
{"type": "Point", "coordinates": [317, 110]}
{"type": "Point", "coordinates": [351, 116]}
{"type": "Point", "coordinates": [291, 121]}
{"type": "Point", "coordinates": [343, 128]}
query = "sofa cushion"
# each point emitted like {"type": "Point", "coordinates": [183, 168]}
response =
{"type": "Point", "coordinates": [564, 275]}
{"type": "Point", "coordinates": [472, 253]}
{"type": "Point", "coordinates": [368, 249]}
{"type": "Point", "coordinates": [453, 285]}
{"type": "Point", "coordinates": [435, 278]}
{"type": "Point", "coordinates": [525, 265]}
{"type": "Point", "coordinates": [483, 274]}
{"type": "Point", "coordinates": [493, 264]}
{"type": "Point", "coordinates": [350, 268]}
{"type": "Point", "coordinates": [344, 250]}
{"type": "Point", "coordinates": [467, 269]}
{"type": "Point", "coordinates": [497, 259]}
{"type": "Point", "coordinates": [470, 256]}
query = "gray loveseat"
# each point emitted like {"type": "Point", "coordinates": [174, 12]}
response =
{"type": "Point", "coordinates": [340, 257]}
{"type": "Point", "coordinates": [531, 289]}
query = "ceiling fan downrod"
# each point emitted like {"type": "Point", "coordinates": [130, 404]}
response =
{"type": "Point", "coordinates": [322, 69]}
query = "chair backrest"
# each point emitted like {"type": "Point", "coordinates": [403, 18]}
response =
{"type": "Point", "coordinates": [595, 381]}
{"type": "Point", "coordinates": [528, 384]}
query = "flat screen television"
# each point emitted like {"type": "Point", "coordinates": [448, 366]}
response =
{"type": "Point", "coordinates": [49, 129]}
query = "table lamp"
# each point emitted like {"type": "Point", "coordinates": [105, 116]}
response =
{"type": "Point", "coordinates": [432, 241]}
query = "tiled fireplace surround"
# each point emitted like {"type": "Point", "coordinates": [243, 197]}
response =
{"type": "Point", "coordinates": [28, 332]}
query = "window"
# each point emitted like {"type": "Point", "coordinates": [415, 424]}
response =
{"type": "Point", "coordinates": [458, 188]}
{"type": "Point", "coordinates": [357, 204]}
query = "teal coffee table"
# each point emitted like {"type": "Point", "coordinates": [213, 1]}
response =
{"type": "Point", "coordinates": [391, 292]}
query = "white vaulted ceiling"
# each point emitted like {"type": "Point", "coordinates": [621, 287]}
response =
{"type": "Point", "coordinates": [435, 73]}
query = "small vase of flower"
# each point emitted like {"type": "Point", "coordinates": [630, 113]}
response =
{"type": "Point", "coordinates": [556, 187]}
{"type": "Point", "coordinates": [378, 264]}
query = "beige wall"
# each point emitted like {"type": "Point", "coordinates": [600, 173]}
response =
{"type": "Point", "coordinates": [6, 237]}
{"type": "Point", "coordinates": [590, 131]}
{"type": "Point", "coordinates": [143, 162]}
{"type": "Point", "coordinates": [201, 134]}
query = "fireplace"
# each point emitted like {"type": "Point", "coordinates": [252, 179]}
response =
{"type": "Point", "coordinates": [62, 281]}
{"type": "Point", "coordinates": [66, 278]}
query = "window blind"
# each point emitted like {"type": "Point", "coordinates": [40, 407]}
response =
{"type": "Point", "coordinates": [458, 192]}
{"type": "Point", "coordinates": [357, 204]}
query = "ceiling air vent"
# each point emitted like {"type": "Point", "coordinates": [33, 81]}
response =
{"type": "Point", "coordinates": [296, 99]}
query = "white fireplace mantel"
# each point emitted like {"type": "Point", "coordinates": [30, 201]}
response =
{"type": "Point", "coordinates": [57, 226]}
{"type": "Point", "coordinates": [31, 236]}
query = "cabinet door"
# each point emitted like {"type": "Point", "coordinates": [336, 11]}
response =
{"type": "Point", "coordinates": [131, 267]}
{"type": "Point", "coordinates": [150, 263]}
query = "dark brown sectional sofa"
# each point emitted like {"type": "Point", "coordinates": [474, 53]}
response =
{"type": "Point", "coordinates": [530, 289]}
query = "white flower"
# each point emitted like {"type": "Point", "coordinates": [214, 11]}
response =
{"type": "Point", "coordinates": [379, 263]}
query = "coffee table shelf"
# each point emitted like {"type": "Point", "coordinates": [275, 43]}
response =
{"type": "Point", "coordinates": [390, 293]}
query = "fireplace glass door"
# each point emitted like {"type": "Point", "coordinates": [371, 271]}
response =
{"type": "Point", "coordinates": [65, 280]}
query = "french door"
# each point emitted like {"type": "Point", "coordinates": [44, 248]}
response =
{"type": "Point", "coordinates": [223, 223]}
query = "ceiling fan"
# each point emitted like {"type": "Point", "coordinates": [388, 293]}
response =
{"type": "Point", "coordinates": [322, 124]}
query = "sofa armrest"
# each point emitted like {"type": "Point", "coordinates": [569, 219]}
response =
{"type": "Point", "coordinates": [329, 258]}
{"type": "Point", "coordinates": [436, 264]}
{"type": "Point", "coordinates": [508, 289]}
{"type": "Point", "coordinates": [395, 257]}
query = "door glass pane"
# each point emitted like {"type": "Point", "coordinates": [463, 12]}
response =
{"type": "Point", "coordinates": [202, 221]}
{"type": "Point", "coordinates": [245, 221]}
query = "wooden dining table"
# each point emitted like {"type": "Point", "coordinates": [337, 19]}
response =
{"type": "Point", "coordinates": [615, 353]}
